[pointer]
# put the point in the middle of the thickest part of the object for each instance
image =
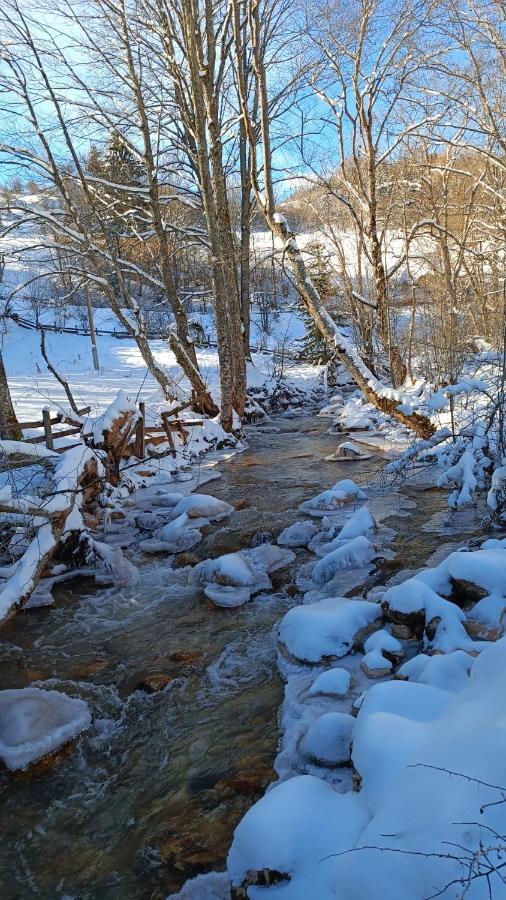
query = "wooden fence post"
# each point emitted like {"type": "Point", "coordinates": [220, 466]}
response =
{"type": "Point", "coordinates": [140, 447]}
{"type": "Point", "coordinates": [48, 434]}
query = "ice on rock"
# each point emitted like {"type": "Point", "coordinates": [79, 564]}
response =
{"type": "Point", "coordinates": [244, 569]}
{"type": "Point", "coordinates": [327, 742]}
{"type": "Point", "coordinates": [297, 535]}
{"type": "Point", "coordinates": [175, 537]}
{"type": "Point", "coordinates": [270, 557]}
{"type": "Point", "coordinates": [327, 629]}
{"type": "Point", "coordinates": [333, 499]}
{"type": "Point", "coordinates": [168, 499]}
{"type": "Point", "coordinates": [375, 665]}
{"type": "Point", "coordinates": [34, 722]}
{"type": "Point", "coordinates": [351, 555]}
{"type": "Point", "coordinates": [295, 830]}
{"type": "Point", "coordinates": [227, 596]}
{"type": "Point", "coordinates": [359, 524]}
{"type": "Point", "coordinates": [334, 682]}
{"type": "Point", "coordinates": [348, 452]}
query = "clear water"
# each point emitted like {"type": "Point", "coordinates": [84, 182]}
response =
{"type": "Point", "coordinates": [151, 794]}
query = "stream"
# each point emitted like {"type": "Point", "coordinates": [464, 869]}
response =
{"type": "Point", "coordinates": [151, 794]}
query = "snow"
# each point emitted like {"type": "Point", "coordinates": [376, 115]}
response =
{"type": "Point", "coordinates": [327, 742]}
{"type": "Point", "coordinates": [449, 671]}
{"type": "Point", "coordinates": [383, 640]}
{"type": "Point", "coordinates": [325, 629]}
{"type": "Point", "coordinates": [212, 886]}
{"type": "Point", "coordinates": [35, 722]}
{"type": "Point", "coordinates": [332, 682]}
{"type": "Point", "coordinates": [294, 830]}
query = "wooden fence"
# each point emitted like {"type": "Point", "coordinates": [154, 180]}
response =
{"type": "Point", "coordinates": [142, 435]}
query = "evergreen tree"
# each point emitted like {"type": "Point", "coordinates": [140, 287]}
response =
{"type": "Point", "coordinates": [314, 347]}
{"type": "Point", "coordinates": [117, 165]}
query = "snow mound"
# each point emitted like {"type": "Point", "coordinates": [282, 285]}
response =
{"type": "Point", "coordinates": [333, 682]}
{"type": "Point", "coordinates": [327, 742]}
{"type": "Point", "coordinates": [450, 671]}
{"type": "Point", "coordinates": [375, 665]}
{"type": "Point", "coordinates": [353, 554]}
{"type": "Point", "coordinates": [327, 629]}
{"type": "Point", "coordinates": [295, 831]}
{"type": "Point", "coordinates": [385, 642]}
{"type": "Point", "coordinates": [34, 722]}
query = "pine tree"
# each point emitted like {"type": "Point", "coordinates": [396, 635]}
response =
{"type": "Point", "coordinates": [314, 347]}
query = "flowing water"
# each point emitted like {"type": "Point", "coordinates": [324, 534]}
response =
{"type": "Point", "coordinates": [151, 794]}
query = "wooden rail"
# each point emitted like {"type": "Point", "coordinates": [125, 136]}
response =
{"type": "Point", "coordinates": [142, 435]}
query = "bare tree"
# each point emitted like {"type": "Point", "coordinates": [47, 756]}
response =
{"type": "Point", "coordinates": [263, 185]}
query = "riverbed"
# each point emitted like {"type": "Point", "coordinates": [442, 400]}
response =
{"type": "Point", "coordinates": [151, 794]}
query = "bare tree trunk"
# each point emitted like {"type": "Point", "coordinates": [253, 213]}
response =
{"type": "Point", "coordinates": [9, 427]}
{"type": "Point", "coordinates": [204, 401]}
{"type": "Point", "coordinates": [245, 264]}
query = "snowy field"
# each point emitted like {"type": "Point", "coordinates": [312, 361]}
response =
{"type": "Point", "coordinates": [121, 366]}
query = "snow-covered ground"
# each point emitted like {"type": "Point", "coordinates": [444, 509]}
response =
{"type": "Point", "coordinates": [121, 366]}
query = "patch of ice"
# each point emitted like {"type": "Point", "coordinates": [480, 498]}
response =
{"type": "Point", "coordinates": [34, 722]}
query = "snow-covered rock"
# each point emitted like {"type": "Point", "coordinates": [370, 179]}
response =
{"type": "Point", "coordinates": [359, 524]}
{"type": "Point", "coordinates": [332, 500]}
{"type": "Point", "coordinates": [204, 506]}
{"type": "Point", "coordinates": [246, 569]}
{"type": "Point", "coordinates": [334, 682]}
{"type": "Point", "coordinates": [449, 671]}
{"type": "Point", "coordinates": [348, 452]}
{"type": "Point", "coordinates": [295, 831]}
{"type": "Point", "coordinates": [34, 722]}
{"type": "Point", "coordinates": [351, 555]}
{"type": "Point", "coordinates": [375, 665]}
{"type": "Point", "coordinates": [298, 535]}
{"type": "Point", "coordinates": [327, 742]}
{"type": "Point", "coordinates": [386, 643]}
{"type": "Point", "coordinates": [327, 629]}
